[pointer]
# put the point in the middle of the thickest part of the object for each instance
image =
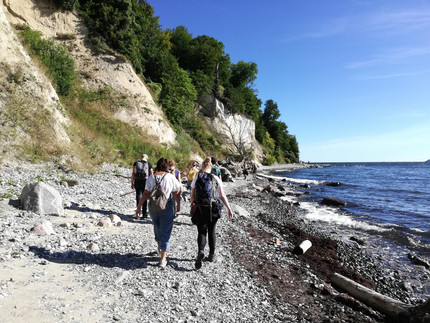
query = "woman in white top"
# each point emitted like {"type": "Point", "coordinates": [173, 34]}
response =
{"type": "Point", "coordinates": [163, 220]}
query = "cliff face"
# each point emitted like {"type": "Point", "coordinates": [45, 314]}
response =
{"type": "Point", "coordinates": [24, 85]}
{"type": "Point", "coordinates": [236, 131]}
{"type": "Point", "coordinates": [100, 71]}
{"type": "Point", "coordinates": [28, 102]}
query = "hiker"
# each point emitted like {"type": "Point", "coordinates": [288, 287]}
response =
{"type": "Point", "coordinates": [215, 170]}
{"type": "Point", "coordinates": [245, 170]}
{"type": "Point", "coordinates": [254, 170]}
{"type": "Point", "coordinates": [163, 218]}
{"type": "Point", "coordinates": [141, 171]}
{"type": "Point", "coordinates": [174, 171]}
{"type": "Point", "coordinates": [191, 173]}
{"type": "Point", "coordinates": [206, 191]}
{"type": "Point", "coordinates": [177, 174]}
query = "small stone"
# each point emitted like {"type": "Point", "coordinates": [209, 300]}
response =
{"type": "Point", "coordinates": [105, 223]}
{"type": "Point", "coordinates": [93, 247]}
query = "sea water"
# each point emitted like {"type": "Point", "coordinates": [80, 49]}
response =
{"type": "Point", "coordinates": [388, 205]}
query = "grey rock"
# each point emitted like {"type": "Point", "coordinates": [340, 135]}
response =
{"type": "Point", "coordinates": [332, 201]}
{"type": "Point", "coordinates": [44, 228]}
{"type": "Point", "coordinates": [42, 199]}
{"type": "Point", "coordinates": [240, 211]}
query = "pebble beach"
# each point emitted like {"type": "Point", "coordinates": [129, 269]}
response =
{"type": "Point", "coordinates": [84, 272]}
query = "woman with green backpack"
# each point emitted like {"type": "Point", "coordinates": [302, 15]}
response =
{"type": "Point", "coordinates": [206, 193]}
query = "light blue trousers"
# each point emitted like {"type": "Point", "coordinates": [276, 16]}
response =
{"type": "Point", "coordinates": [163, 225]}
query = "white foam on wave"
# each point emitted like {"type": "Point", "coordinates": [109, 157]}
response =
{"type": "Point", "coordinates": [331, 215]}
{"type": "Point", "coordinates": [293, 180]}
{"type": "Point", "coordinates": [302, 181]}
{"type": "Point", "coordinates": [418, 230]}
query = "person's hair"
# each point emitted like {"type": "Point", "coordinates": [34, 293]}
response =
{"type": "Point", "coordinates": [162, 165]}
{"type": "Point", "coordinates": [171, 163]}
{"type": "Point", "coordinates": [206, 164]}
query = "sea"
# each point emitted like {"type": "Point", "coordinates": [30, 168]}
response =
{"type": "Point", "coordinates": [388, 207]}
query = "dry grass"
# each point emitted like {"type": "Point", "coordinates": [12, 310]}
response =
{"type": "Point", "coordinates": [24, 118]}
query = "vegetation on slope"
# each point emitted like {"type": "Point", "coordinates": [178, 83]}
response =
{"type": "Point", "coordinates": [185, 68]}
{"type": "Point", "coordinates": [97, 136]}
{"type": "Point", "coordinates": [22, 115]}
{"type": "Point", "coordinates": [178, 67]}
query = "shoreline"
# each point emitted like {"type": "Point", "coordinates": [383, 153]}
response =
{"type": "Point", "coordinates": [121, 280]}
{"type": "Point", "coordinates": [396, 260]}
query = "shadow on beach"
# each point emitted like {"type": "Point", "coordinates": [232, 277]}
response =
{"type": "Point", "coordinates": [129, 261]}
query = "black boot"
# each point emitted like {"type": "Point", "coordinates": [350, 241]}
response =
{"type": "Point", "coordinates": [198, 263]}
{"type": "Point", "coordinates": [144, 214]}
{"type": "Point", "coordinates": [212, 257]}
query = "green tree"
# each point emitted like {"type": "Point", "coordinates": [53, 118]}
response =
{"type": "Point", "coordinates": [286, 145]}
{"type": "Point", "coordinates": [243, 74]}
{"type": "Point", "coordinates": [178, 93]}
{"type": "Point", "coordinates": [240, 96]}
{"type": "Point", "coordinates": [203, 57]}
{"type": "Point", "coordinates": [181, 43]}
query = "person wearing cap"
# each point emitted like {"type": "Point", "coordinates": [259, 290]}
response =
{"type": "Point", "coordinates": [141, 171]}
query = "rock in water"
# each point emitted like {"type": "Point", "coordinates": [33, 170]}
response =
{"type": "Point", "coordinates": [332, 201]}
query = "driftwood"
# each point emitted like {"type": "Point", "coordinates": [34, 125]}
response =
{"type": "Point", "coordinates": [302, 248]}
{"type": "Point", "coordinates": [396, 310]}
{"type": "Point", "coordinates": [126, 193]}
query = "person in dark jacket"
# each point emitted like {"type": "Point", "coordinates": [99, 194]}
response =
{"type": "Point", "coordinates": [141, 171]}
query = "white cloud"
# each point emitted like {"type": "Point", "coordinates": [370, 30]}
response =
{"type": "Point", "coordinates": [373, 24]}
{"type": "Point", "coordinates": [400, 21]}
{"type": "Point", "coordinates": [390, 76]}
{"type": "Point", "coordinates": [392, 56]}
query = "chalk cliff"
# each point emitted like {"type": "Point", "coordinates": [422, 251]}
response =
{"type": "Point", "coordinates": [24, 85]}
{"type": "Point", "coordinates": [237, 132]}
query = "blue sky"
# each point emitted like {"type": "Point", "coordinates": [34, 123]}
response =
{"type": "Point", "coordinates": [351, 78]}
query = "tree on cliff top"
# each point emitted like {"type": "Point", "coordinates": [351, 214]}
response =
{"type": "Point", "coordinates": [286, 147]}
{"type": "Point", "coordinates": [185, 66]}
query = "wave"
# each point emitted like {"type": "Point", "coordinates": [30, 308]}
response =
{"type": "Point", "coordinates": [300, 181]}
{"type": "Point", "coordinates": [330, 215]}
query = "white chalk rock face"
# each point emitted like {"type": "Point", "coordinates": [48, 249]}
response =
{"type": "Point", "coordinates": [42, 199]}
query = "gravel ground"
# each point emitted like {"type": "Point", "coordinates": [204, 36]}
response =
{"type": "Point", "coordinates": [87, 273]}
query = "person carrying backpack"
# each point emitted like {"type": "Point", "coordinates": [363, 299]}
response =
{"type": "Point", "coordinates": [141, 171]}
{"type": "Point", "coordinates": [161, 188]}
{"type": "Point", "coordinates": [206, 193]}
{"type": "Point", "coordinates": [175, 173]}
{"type": "Point", "coordinates": [215, 170]}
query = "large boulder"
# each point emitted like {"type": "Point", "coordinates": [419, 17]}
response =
{"type": "Point", "coordinates": [42, 199]}
{"type": "Point", "coordinates": [226, 175]}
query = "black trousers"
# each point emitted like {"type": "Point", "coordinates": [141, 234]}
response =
{"type": "Point", "coordinates": [206, 227]}
{"type": "Point", "coordinates": [139, 186]}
